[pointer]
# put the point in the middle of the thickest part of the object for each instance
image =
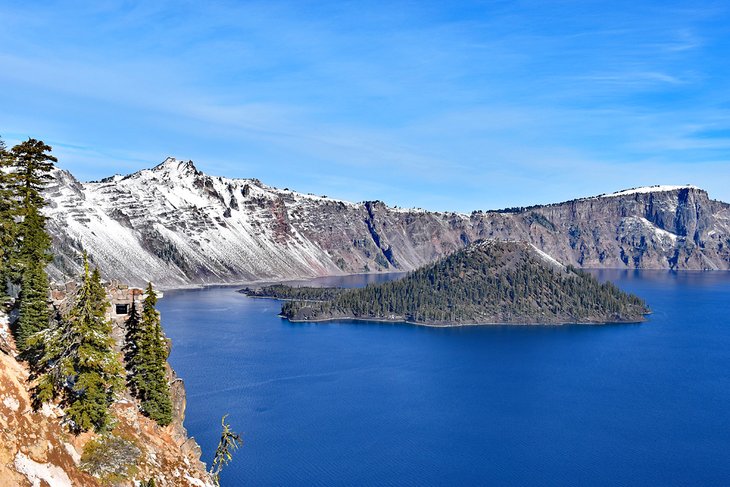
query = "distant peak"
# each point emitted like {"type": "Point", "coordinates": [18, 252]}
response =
{"type": "Point", "coordinates": [172, 164]}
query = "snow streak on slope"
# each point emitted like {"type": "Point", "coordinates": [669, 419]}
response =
{"type": "Point", "coordinates": [547, 257]}
{"type": "Point", "coordinates": [165, 223]}
{"type": "Point", "coordinates": [651, 189]}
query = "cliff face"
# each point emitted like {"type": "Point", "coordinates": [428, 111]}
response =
{"type": "Point", "coordinates": [36, 450]}
{"type": "Point", "coordinates": [664, 228]}
{"type": "Point", "coordinates": [176, 226]}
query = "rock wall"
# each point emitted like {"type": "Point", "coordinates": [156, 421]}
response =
{"type": "Point", "coordinates": [176, 226]}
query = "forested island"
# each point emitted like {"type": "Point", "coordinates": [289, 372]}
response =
{"type": "Point", "coordinates": [489, 282]}
{"type": "Point", "coordinates": [291, 293]}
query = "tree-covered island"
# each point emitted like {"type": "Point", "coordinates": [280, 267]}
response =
{"type": "Point", "coordinates": [489, 282]}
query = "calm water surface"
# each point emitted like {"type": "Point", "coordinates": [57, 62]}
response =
{"type": "Point", "coordinates": [378, 404]}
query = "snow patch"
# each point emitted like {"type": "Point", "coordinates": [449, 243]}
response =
{"type": "Point", "coordinates": [648, 189]}
{"type": "Point", "coordinates": [49, 411]}
{"type": "Point", "coordinates": [665, 237]}
{"type": "Point", "coordinates": [76, 456]}
{"type": "Point", "coordinates": [547, 257]}
{"type": "Point", "coordinates": [659, 232]}
{"type": "Point", "coordinates": [4, 325]}
{"type": "Point", "coordinates": [196, 482]}
{"type": "Point", "coordinates": [11, 403]}
{"type": "Point", "coordinates": [41, 472]}
{"type": "Point", "coordinates": [397, 209]}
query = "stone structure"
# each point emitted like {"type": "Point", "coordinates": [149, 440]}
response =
{"type": "Point", "coordinates": [121, 297]}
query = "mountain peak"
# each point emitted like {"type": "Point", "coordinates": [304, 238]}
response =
{"type": "Point", "coordinates": [172, 164]}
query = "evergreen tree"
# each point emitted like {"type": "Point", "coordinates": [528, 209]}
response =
{"type": "Point", "coordinates": [132, 355]}
{"type": "Point", "coordinates": [78, 363]}
{"type": "Point", "coordinates": [8, 210]}
{"type": "Point", "coordinates": [28, 250]}
{"type": "Point", "coordinates": [33, 164]}
{"type": "Point", "coordinates": [34, 310]}
{"type": "Point", "coordinates": [146, 356]}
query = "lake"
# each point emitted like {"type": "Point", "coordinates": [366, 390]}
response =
{"type": "Point", "coordinates": [393, 404]}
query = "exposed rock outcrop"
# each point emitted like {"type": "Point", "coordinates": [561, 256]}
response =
{"type": "Point", "coordinates": [36, 450]}
{"type": "Point", "coordinates": [176, 226]}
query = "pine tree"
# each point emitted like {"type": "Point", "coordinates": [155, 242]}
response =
{"type": "Point", "coordinates": [34, 310]}
{"type": "Point", "coordinates": [33, 164]}
{"type": "Point", "coordinates": [78, 363]}
{"type": "Point", "coordinates": [29, 251]}
{"type": "Point", "coordinates": [132, 339]}
{"type": "Point", "coordinates": [8, 210]}
{"type": "Point", "coordinates": [146, 356]}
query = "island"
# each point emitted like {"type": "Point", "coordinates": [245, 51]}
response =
{"type": "Point", "coordinates": [488, 282]}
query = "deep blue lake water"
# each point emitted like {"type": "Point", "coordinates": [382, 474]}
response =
{"type": "Point", "coordinates": [383, 404]}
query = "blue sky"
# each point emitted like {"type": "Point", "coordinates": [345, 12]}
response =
{"type": "Point", "coordinates": [441, 105]}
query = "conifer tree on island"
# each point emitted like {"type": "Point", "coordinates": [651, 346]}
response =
{"type": "Point", "coordinates": [79, 364]}
{"type": "Point", "coordinates": [146, 358]}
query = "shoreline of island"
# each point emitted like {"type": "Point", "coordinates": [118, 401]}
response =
{"type": "Point", "coordinates": [462, 325]}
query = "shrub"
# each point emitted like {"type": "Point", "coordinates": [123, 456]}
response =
{"type": "Point", "coordinates": [110, 458]}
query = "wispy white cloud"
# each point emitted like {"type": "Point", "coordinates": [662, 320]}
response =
{"type": "Point", "coordinates": [632, 78]}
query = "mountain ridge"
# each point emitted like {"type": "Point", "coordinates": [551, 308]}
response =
{"type": "Point", "coordinates": [177, 226]}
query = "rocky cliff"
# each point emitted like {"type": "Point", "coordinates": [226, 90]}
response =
{"type": "Point", "coordinates": [176, 226]}
{"type": "Point", "coordinates": [36, 450]}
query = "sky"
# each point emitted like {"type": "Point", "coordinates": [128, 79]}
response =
{"type": "Point", "coordinates": [453, 106]}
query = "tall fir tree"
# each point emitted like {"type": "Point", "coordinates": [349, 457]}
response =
{"type": "Point", "coordinates": [146, 359]}
{"type": "Point", "coordinates": [31, 166]}
{"type": "Point", "coordinates": [34, 310]}
{"type": "Point", "coordinates": [132, 339]}
{"type": "Point", "coordinates": [8, 212]}
{"type": "Point", "coordinates": [78, 364]}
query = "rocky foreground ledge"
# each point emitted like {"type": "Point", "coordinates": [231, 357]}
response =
{"type": "Point", "coordinates": [36, 450]}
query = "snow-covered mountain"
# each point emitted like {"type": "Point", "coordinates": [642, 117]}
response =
{"type": "Point", "coordinates": [176, 226]}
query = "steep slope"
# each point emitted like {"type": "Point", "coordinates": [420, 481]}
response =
{"type": "Point", "coordinates": [36, 450]}
{"type": "Point", "coordinates": [177, 226]}
{"type": "Point", "coordinates": [487, 282]}
{"type": "Point", "coordinates": [676, 227]}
